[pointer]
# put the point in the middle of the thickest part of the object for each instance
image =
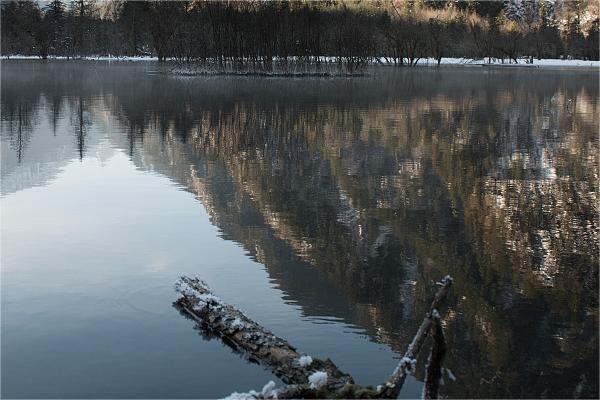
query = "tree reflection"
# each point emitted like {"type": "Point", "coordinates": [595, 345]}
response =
{"type": "Point", "coordinates": [18, 119]}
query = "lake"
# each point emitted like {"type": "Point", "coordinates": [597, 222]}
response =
{"type": "Point", "coordinates": [326, 209]}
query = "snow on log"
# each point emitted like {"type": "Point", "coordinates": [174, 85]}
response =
{"type": "Point", "coordinates": [306, 376]}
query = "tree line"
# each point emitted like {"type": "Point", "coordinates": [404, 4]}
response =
{"type": "Point", "coordinates": [352, 33]}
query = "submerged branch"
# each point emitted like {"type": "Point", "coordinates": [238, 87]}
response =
{"type": "Point", "coordinates": [305, 376]}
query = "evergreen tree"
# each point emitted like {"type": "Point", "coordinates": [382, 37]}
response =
{"type": "Point", "coordinates": [54, 16]}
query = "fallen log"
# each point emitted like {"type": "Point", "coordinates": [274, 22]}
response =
{"type": "Point", "coordinates": [305, 376]}
{"type": "Point", "coordinates": [246, 336]}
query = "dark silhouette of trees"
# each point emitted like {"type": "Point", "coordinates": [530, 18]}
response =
{"type": "Point", "coordinates": [54, 18]}
{"type": "Point", "coordinates": [19, 20]}
{"type": "Point", "coordinates": [296, 35]}
{"type": "Point", "coordinates": [132, 20]}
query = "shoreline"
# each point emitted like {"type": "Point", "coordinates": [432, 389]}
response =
{"type": "Point", "coordinates": [547, 62]}
{"type": "Point", "coordinates": [425, 62]}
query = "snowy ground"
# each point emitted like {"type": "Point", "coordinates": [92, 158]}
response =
{"type": "Point", "coordinates": [422, 62]}
{"type": "Point", "coordinates": [548, 62]}
{"type": "Point", "coordinates": [89, 58]}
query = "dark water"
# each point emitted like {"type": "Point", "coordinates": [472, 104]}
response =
{"type": "Point", "coordinates": [325, 209]}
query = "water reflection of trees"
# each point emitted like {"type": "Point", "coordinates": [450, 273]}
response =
{"type": "Point", "coordinates": [18, 119]}
{"type": "Point", "coordinates": [373, 188]}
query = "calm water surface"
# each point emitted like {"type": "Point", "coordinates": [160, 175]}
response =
{"type": "Point", "coordinates": [325, 209]}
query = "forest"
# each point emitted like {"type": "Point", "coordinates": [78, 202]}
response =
{"type": "Point", "coordinates": [261, 34]}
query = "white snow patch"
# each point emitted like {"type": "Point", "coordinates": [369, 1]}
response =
{"type": "Point", "coordinates": [305, 361]}
{"type": "Point", "coordinates": [406, 365]}
{"type": "Point", "coordinates": [445, 280]}
{"type": "Point", "coordinates": [522, 62]}
{"type": "Point", "coordinates": [237, 324]}
{"type": "Point", "coordinates": [422, 62]}
{"type": "Point", "coordinates": [251, 395]}
{"type": "Point", "coordinates": [85, 58]}
{"type": "Point", "coordinates": [185, 289]}
{"type": "Point", "coordinates": [205, 298]}
{"type": "Point", "coordinates": [317, 379]}
{"type": "Point", "coordinates": [269, 390]}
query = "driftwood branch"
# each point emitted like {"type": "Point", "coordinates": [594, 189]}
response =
{"type": "Point", "coordinates": [408, 362]}
{"type": "Point", "coordinates": [433, 372]}
{"type": "Point", "coordinates": [305, 376]}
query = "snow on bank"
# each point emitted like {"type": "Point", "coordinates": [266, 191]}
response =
{"type": "Point", "coordinates": [549, 62]}
{"type": "Point", "coordinates": [421, 62]}
{"type": "Point", "coordinates": [86, 58]}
